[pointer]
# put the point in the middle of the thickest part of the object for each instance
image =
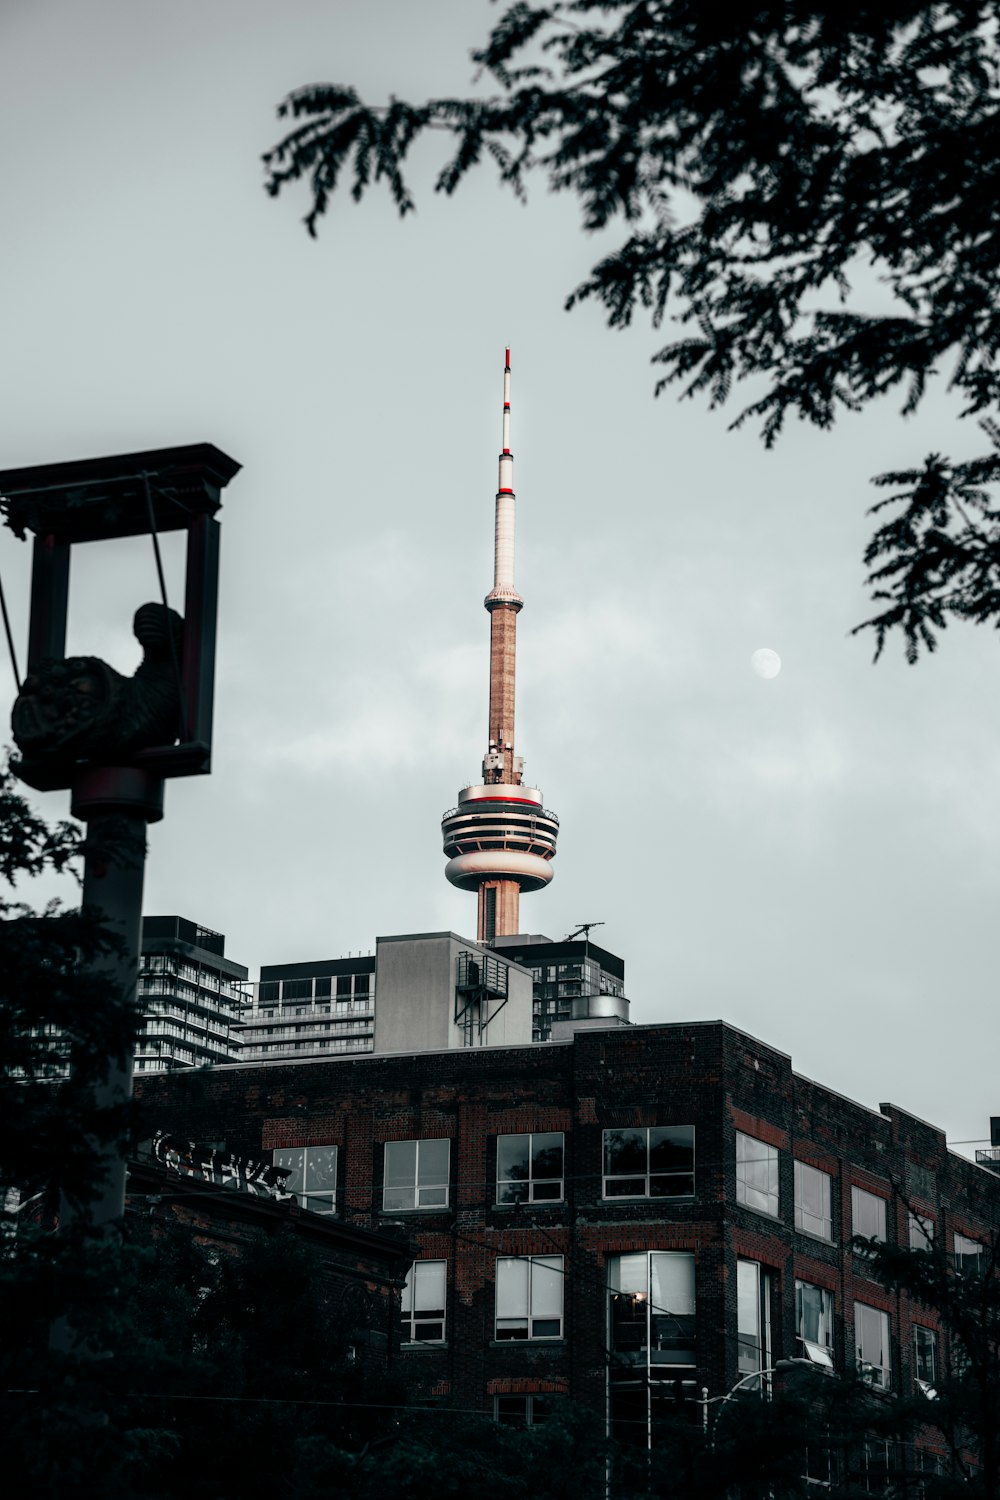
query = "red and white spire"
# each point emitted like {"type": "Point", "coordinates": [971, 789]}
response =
{"type": "Point", "coordinates": [500, 840]}
{"type": "Point", "coordinates": [503, 590]}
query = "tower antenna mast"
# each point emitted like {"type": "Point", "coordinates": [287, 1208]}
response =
{"type": "Point", "coordinates": [584, 929]}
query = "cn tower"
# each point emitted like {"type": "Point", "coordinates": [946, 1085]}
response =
{"type": "Point", "coordinates": [500, 840]}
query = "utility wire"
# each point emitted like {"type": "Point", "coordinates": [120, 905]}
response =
{"type": "Point", "coordinates": [10, 638]}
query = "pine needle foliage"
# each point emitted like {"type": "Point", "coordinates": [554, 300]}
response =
{"type": "Point", "coordinates": [808, 192]}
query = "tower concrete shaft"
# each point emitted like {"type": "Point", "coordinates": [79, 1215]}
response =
{"type": "Point", "coordinates": [500, 840]}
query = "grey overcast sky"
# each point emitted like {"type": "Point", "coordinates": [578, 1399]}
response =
{"type": "Point", "coordinates": [811, 858]}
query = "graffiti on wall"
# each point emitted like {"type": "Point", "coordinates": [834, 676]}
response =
{"type": "Point", "coordinates": [225, 1169]}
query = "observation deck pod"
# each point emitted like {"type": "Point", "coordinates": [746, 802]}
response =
{"type": "Point", "coordinates": [499, 832]}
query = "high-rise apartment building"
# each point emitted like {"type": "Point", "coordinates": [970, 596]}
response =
{"type": "Point", "coordinates": [314, 1009]}
{"type": "Point", "coordinates": [192, 997]}
{"type": "Point", "coordinates": [575, 983]}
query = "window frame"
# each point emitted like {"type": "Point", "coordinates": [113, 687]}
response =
{"type": "Point", "coordinates": [877, 1375]}
{"type": "Point", "coordinates": [965, 1249]}
{"type": "Point", "coordinates": [647, 1177]}
{"type": "Point", "coordinates": [413, 1315]}
{"type": "Point", "coordinates": [303, 1195]}
{"type": "Point", "coordinates": [925, 1382]}
{"type": "Point", "coordinates": [920, 1230]}
{"type": "Point", "coordinates": [754, 1297]}
{"type": "Point", "coordinates": [512, 1334]}
{"type": "Point", "coordinates": [773, 1162]}
{"type": "Point", "coordinates": [820, 1353]}
{"type": "Point", "coordinates": [531, 1183]}
{"type": "Point", "coordinates": [801, 1213]}
{"type": "Point", "coordinates": [654, 1323]}
{"type": "Point", "coordinates": [861, 1201]}
{"type": "Point", "coordinates": [533, 1416]}
{"type": "Point", "coordinates": [435, 1184]}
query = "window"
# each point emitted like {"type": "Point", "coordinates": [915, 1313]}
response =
{"type": "Point", "coordinates": [871, 1335]}
{"type": "Point", "coordinates": [812, 1201]}
{"type": "Point", "coordinates": [313, 1176]}
{"type": "Point", "coordinates": [876, 1465]}
{"type": "Point", "coordinates": [868, 1214]}
{"type": "Point", "coordinates": [756, 1174]}
{"type": "Point", "coordinates": [530, 1168]}
{"type": "Point", "coordinates": [422, 1311]}
{"type": "Point", "coordinates": [925, 1359]}
{"type": "Point", "coordinates": [652, 1308]}
{"type": "Point", "coordinates": [654, 1162]}
{"type": "Point", "coordinates": [323, 987]}
{"type": "Point", "coordinates": [529, 1297]}
{"type": "Point", "coordinates": [343, 984]}
{"type": "Point", "coordinates": [651, 1336]}
{"type": "Point", "coordinates": [753, 1326]}
{"type": "Point", "coordinates": [416, 1175]}
{"type": "Point", "coordinates": [814, 1323]}
{"type": "Point", "coordinates": [968, 1255]}
{"type": "Point", "coordinates": [521, 1411]}
{"type": "Point", "coordinates": [268, 992]}
{"type": "Point", "coordinates": [297, 989]}
{"type": "Point", "coordinates": [921, 1231]}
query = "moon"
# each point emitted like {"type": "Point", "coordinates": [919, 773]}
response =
{"type": "Point", "coordinates": [765, 662]}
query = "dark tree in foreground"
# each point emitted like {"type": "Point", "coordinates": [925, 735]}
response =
{"type": "Point", "coordinates": [810, 189]}
{"type": "Point", "coordinates": [962, 1291]}
{"type": "Point", "coordinates": [59, 1020]}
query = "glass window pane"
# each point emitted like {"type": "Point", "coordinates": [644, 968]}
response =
{"type": "Point", "coordinates": [433, 1162]}
{"type": "Point", "coordinates": [871, 1331]}
{"type": "Point", "coordinates": [512, 1288]}
{"type": "Point", "coordinates": [546, 1191]}
{"type": "Point", "coordinates": [812, 1200]}
{"type": "Point", "coordinates": [547, 1155]}
{"type": "Point", "coordinates": [625, 1152]}
{"type": "Point", "coordinates": [921, 1231]}
{"type": "Point", "coordinates": [868, 1214]}
{"type": "Point", "coordinates": [400, 1163]}
{"type": "Point", "coordinates": [814, 1314]}
{"type": "Point", "coordinates": [629, 1273]}
{"type": "Point", "coordinates": [294, 1158]}
{"type": "Point", "coordinates": [321, 1169]}
{"type": "Point", "coordinates": [672, 1280]}
{"type": "Point", "coordinates": [431, 1282]}
{"type": "Point", "coordinates": [512, 1410]}
{"type": "Point", "coordinates": [546, 1328]}
{"type": "Point", "coordinates": [756, 1174]}
{"type": "Point", "coordinates": [625, 1187]}
{"type": "Point", "coordinates": [677, 1185]}
{"type": "Point", "coordinates": [967, 1254]}
{"type": "Point", "coordinates": [513, 1161]}
{"type": "Point", "coordinates": [671, 1148]}
{"type": "Point", "coordinates": [748, 1316]}
{"type": "Point", "coordinates": [547, 1287]}
{"type": "Point", "coordinates": [925, 1354]}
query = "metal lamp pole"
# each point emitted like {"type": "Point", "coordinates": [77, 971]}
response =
{"type": "Point", "coordinates": [111, 740]}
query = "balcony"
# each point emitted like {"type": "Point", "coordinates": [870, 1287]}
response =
{"type": "Point", "coordinates": [990, 1159]}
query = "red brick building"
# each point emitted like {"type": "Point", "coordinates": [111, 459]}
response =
{"type": "Point", "coordinates": [607, 1216]}
{"type": "Point", "coordinates": [228, 1201]}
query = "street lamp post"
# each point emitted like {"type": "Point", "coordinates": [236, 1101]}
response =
{"type": "Point", "coordinates": [82, 726]}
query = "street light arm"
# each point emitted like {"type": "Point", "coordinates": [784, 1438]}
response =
{"type": "Point", "coordinates": [779, 1365]}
